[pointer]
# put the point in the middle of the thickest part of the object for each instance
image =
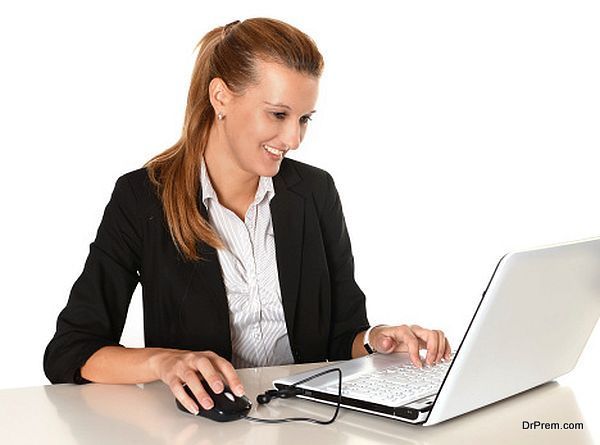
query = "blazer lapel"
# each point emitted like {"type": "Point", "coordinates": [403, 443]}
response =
{"type": "Point", "coordinates": [287, 214]}
{"type": "Point", "coordinates": [209, 270]}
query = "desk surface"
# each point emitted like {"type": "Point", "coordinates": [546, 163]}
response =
{"type": "Point", "coordinates": [146, 414]}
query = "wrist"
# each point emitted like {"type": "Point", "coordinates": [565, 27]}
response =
{"type": "Point", "coordinates": [156, 359]}
{"type": "Point", "coordinates": [369, 339]}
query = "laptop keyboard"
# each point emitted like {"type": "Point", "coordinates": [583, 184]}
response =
{"type": "Point", "coordinates": [395, 385]}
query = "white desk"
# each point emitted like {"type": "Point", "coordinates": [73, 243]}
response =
{"type": "Point", "coordinates": [146, 414]}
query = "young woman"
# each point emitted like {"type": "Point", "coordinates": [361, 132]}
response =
{"type": "Point", "coordinates": [243, 254]}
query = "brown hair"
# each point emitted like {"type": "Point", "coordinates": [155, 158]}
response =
{"type": "Point", "coordinates": [228, 52]}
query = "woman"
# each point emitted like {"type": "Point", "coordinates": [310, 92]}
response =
{"type": "Point", "coordinates": [243, 254]}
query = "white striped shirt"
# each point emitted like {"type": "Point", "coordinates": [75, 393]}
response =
{"type": "Point", "coordinates": [258, 331]}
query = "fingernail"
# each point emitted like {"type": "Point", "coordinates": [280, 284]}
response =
{"type": "Point", "coordinates": [239, 390]}
{"type": "Point", "coordinates": [218, 387]}
{"type": "Point", "coordinates": [207, 403]}
{"type": "Point", "coordinates": [193, 410]}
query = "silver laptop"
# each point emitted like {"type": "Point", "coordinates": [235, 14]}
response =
{"type": "Point", "coordinates": [530, 327]}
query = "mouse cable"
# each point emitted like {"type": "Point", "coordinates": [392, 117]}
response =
{"type": "Point", "coordinates": [292, 391]}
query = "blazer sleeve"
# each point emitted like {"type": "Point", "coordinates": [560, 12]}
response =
{"type": "Point", "coordinates": [95, 313]}
{"type": "Point", "coordinates": [349, 314]}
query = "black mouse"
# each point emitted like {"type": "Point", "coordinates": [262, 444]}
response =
{"type": "Point", "coordinates": [227, 407]}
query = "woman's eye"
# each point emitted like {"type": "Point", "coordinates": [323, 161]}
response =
{"type": "Point", "coordinates": [280, 115]}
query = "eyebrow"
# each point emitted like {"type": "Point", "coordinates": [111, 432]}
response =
{"type": "Point", "coordinates": [285, 106]}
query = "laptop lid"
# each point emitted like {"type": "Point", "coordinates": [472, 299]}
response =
{"type": "Point", "coordinates": [530, 327]}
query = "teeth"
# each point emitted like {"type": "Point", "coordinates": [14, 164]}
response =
{"type": "Point", "coordinates": [273, 150]}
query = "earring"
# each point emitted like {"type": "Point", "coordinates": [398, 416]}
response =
{"type": "Point", "coordinates": [220, 116]}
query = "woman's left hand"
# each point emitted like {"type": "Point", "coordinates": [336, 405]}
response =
{"type": "Point", "coordinates": [388, 339]}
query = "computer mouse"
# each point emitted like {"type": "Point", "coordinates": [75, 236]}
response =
{"type": "Point", "coordinates": [227, 407]}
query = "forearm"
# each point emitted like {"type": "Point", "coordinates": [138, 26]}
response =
{"type": "Point", "coordinates": [358, 345]}
{"type": "Point", "coordinates": [114, 364]}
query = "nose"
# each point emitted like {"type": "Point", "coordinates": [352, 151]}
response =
{"type": "Point", "coordinates": [292, 136]}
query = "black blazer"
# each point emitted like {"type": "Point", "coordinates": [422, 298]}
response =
{"type": "Point", "coordinates": [185, 304]}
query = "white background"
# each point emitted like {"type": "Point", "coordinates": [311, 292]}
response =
{"type": "Point", "coordinates": [455, 131]}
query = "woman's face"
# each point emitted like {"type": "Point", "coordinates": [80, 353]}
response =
{"type": "Point", "coordinates": [269, 118]}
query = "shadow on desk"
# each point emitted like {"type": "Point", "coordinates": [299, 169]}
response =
{"type": "Point", "coordinates": [500, 423]}
{"type": "Point", "coordinates": [147, 414]}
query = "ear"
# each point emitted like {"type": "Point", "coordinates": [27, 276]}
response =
{"type": "Point", "coordinates": [219, 94]}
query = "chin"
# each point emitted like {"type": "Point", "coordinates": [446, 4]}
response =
{"type": "Point", "coordinates": [270, 169]}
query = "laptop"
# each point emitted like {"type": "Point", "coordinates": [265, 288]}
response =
{"type": "Point", "coordinates": [530, 327]}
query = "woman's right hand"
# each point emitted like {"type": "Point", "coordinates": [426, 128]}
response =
{"type": "Point", "coordinates": [176, 367]}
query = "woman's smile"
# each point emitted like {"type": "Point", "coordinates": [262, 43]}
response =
{"type": "Point", "coordinates": [273, 152]}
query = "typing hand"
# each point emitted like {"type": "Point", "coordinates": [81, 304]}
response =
{"type": "Point", "coordinates": [388, 339]}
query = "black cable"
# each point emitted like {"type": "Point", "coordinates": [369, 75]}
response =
{"type": "Point", "coordinates": [294, 391]}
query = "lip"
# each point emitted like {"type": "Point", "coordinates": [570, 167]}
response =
{"type": "Point", "coordinates": [274, 156]}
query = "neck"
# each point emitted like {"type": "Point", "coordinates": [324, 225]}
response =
{"type": "Point", "coordinates": [232, 184]}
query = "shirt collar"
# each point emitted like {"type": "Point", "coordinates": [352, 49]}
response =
{"type": "Point", "coordinates": [265, 187]}
{"type": "Point", "coordinates": [208, 192]}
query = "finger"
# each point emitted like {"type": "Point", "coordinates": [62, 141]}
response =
{"type": "Point", "coordinates": [430, 340]}
{"type": "Point", "coordinates": [413, 349]}
{"type": "Point", "coordinates": [448, 350]}
{"type": "Point", "coordinates": [384, 342]}
{"type": "Point", "coordinates": [192, 380]}
{"type": "Point", "coordinates": [432, 346]}
{"type": "Point", "coordinates": [386, 345]}
{"type": "Point", "coordinates": [441, 346]}
{"type": "Point", "coordinates": [209, 373]}
{"type": "Point", "coordinates": [421, 334]}
{"type": "Point", "coordinates": [392, 339]}
{"type": "Point", "coordinates": [228, 371]}
{"type": "Point", "coordinates": [180, 394]}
